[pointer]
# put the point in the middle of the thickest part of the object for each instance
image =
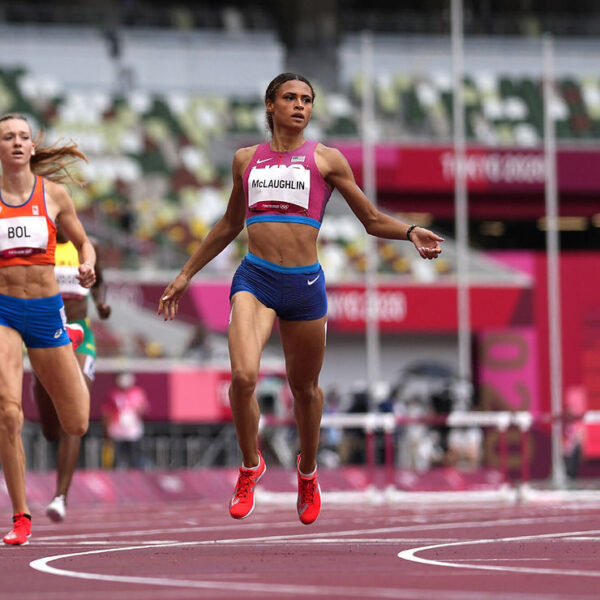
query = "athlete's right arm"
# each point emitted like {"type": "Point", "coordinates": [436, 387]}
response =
{"type": "Point", "coordinates": [225, 230]}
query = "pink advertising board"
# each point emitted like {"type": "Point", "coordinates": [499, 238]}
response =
{"type": "Point", "coordinates": [427, 307]}
{"type": "Point", "coordinates": [401, 307]}
{"type": "Point", "coordinates": [431, 168]}
{"type": "Point", "coordinates": [507, 369]}
{"type": "Point", "coordinates": [211, 299]}
{"type": "Point", "coordinates": [199, 395]}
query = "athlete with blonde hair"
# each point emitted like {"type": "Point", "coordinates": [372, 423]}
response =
{"type": "Point", "coordinates": [32, 201]}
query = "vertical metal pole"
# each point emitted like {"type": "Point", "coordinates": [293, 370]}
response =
{"type": "Point", "coordinates": [461, 205]}
{"type": "Point", "coordinates": [503, 450]}
{"type": "Point", "coordinates": [370, 454]}
{"type": "Point", "coordinates": [525, 466]}
{"type": "Point", "coordinates": [553, 267]}
{"type": "Point", "coordinates": [370, 189]}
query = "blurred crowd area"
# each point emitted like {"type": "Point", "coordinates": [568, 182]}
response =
{"type": "Point", "coordinates": [483, 17]}
{"type": "Point", "coordinates": [159, 168]}
{"type": "Point", "coordinates": [159, 95]}
{"type": "Point", "coordinates": [420, 391]}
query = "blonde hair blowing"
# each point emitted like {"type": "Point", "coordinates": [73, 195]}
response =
{"type": "Point", "coordinates": [53, 162]}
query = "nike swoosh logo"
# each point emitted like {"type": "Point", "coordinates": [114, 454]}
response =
{"type": "Point", "coordinates": [263, 160]}
{"type": "Point", "coordinates": [311, 281]}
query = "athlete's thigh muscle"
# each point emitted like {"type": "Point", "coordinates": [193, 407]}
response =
{"type": "Point", "coordinates": [11, 365]}
{"type": "Point", "coordinates": [250, 327]}
{"type": "Point", "coordinates": [58, 371]}
{"type": "Point", "coordinates": [304, 349]}
{"type": "Point", "coordinates": [47, 413]}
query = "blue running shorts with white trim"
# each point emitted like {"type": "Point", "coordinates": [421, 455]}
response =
{"type": "Point", "coordinates": [40, 321]}
{"type": "Point", "coordinates": [294, 293]}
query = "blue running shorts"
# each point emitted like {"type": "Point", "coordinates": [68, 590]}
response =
{"type": "Point", "coordinates": [294, 293]}
{"type": "Point", "coordinates": [40, 321]}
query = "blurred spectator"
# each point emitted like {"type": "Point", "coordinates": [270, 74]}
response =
{"type": "Point", "coordinates": [154, 349]}
{"type": "Point", "coordinates": [455, 445]}
{"type": "Point", "coordinates": [331, 438]}
{"type": "Point", "coordinates": [270, 393]}
{"type": "Point", "coordinates": [431, 390]}
{"type": "Point", "coordinates": [123, 412]}
{"type": "Point", "coordinates": [352, 447]}
{"type": "Point", "coordinates": [199, 347]}
{"type": "Point", "coordinates": [574, 428]}
{"type": "Point", "coordinates": [442, 403]}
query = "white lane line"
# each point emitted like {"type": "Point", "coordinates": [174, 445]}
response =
{"type": "Point", "coordinates": [411, 555]}
{"type": "Point", "coordinates": [169, 531]}
{"type": "Point", "coordinates": [253, 587]}
{"type": "Point", "coordinates": [398, 529]}
{"type": "Point", "coordinates": [291, 536]}
{"type": "Point", "coordinates": [502, 559]}
{"type": "Point", "coordinates": [43, 565]}
{"type": "Point", "coordinates": [104, 543]}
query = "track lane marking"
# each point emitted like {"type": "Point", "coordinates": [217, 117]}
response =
{"type": "Point", "coordinates": [411, 555]}
{"type": "Point", "coordinates": [275, 588]}
{"type": "Point", "coordinates": [43, 564]}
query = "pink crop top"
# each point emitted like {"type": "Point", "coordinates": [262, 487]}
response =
{"type": "Point", "coordinates": [285, 186]}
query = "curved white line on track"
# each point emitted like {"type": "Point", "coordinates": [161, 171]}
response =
{"type": "Point", "coordinates": [411, 555]}
{"type": "Point", "coordinates": [43, 565]}
{"type": "Point", "coordinates": [296, 591]}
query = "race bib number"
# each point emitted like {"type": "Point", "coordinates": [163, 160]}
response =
{"type": "Point", "coordinates": [279, 188]}
{"type": "Point", "coordinates": [23, 236]}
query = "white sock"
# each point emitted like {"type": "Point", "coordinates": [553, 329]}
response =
{"type": "Point", "coordinates": [306, 476]}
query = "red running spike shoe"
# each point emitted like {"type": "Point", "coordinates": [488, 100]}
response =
{"type": "Point", "coordinates": [309, 496]}
{"type": "Point", "coordinates": [75, 333]}
{"type": "Point", "coordinates": [20, 531]}
{"type": "Point", "coordinates": [242, 501]}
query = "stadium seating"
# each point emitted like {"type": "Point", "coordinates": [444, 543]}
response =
{"type": "Point", "coordinates": [159, 167]}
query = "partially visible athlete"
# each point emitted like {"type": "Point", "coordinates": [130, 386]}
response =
{"type": "Point", "coordinates": [32, 202]}
{"type": "Point", "coordinates": [280, 191]}
{"type": "Point", "coordinates": [75, 298]}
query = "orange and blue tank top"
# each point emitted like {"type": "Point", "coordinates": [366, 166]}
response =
{"type": "Point", "coordinates": [285, 186]}
{"type": "Point", "coordinates": [27, 233]}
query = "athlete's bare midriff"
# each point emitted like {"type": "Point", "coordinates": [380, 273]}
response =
{"type": "Point", "coordinates": [28, 281]}
{"type": "Point", "coordinates": [285, 244]}
{"type": "Point", "coordinates": [75, 308]}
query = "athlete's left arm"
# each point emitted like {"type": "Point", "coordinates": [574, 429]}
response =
{"type": "Point", "coordinates": [337, 173]}
{"type": "Point", "coordinates": [99, 288]}
{"type": "Point", "coordinates": [72, 227]}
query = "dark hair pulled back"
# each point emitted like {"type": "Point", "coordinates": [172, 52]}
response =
{"type": "Point", "coordinates": [276, 84]}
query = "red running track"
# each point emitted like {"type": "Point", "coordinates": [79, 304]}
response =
{"type": "Point", "coordinates": [423, 551]}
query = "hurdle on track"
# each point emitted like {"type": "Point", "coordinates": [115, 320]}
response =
{"type": "Point", "coordinates": [389, 424]}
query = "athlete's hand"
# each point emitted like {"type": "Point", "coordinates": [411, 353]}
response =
{"type": "Point", "coordinates": [103, 310]}
{"type": "Point", "coordinates": [87, 275]}
{"type": "Point", "coordinates": [426, 242]}
{"type": "Point", "coordinates": [169, 299]}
